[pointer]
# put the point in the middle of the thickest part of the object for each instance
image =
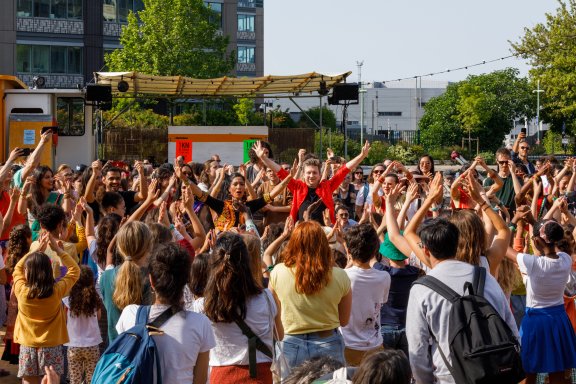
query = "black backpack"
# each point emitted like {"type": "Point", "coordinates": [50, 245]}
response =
{"type": "Point", "coordinates": [483, 348]}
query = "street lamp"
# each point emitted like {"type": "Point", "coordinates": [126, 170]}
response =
{"type": "Point", "coordinates": [538, 91]}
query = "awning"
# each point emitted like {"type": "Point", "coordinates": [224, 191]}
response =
{"type": "Point", "coordinates": [179, 86]}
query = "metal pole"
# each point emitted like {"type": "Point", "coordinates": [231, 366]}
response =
{"type": "Point", "coordinates": [321, 148]}
{"type": "Point", "coordinates": [360, 64]}
{"type": "Point", "coordinates": [537, 91]}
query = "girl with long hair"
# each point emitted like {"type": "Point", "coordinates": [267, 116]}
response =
{"type": "Point", "coordinates": [18, 246]}
{"type": "Point", "coordinates": [127, 283]}
{"type": "Point", "coordinates": [187, 338]}
{"type": "Point", "coordinates": [548, 339]}
{"type": "Point", "coordinates": [316, 296]}
{"type": "Point", "coordinates": [40, 327]}
{"type": "Point", "coordinates": [84, 310]}
{"type": "Point", "coordinates": [233, 295]}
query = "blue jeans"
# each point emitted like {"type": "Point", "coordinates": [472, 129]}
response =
{"type": "Point", "coordinates": [299, 348]}
{"type": "Point", "coordinates": [394, 336]}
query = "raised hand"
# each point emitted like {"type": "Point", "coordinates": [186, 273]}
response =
{"type": "Point", "coordinates": [259, 149]}
{"type": "Point", "coordinates": [365, 148]}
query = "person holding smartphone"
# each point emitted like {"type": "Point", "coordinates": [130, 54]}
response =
{"type": "Point", "coordinates": [520, 152]}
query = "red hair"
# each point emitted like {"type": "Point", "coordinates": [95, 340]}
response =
{"type": "Point", "coordinates": [309, 253]}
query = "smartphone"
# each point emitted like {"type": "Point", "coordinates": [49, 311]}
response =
{"type": "Point", "coordinates": [25, 152]}
{"type": "Point", "coordinates": [46, 129]}
{"type": "Point", "coordinates": [523, 130]}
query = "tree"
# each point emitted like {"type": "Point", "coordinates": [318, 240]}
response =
{"type": "Point", "coordinates": [551, 50]}
{"type": "Point", "coordinates": [171, 38]}
{"type": "Point", "coordinates": [328, 118]}
{"type": "Point", "coordinates": [482, 106]}
{"type": "Point", "coordinates": [243, 107]}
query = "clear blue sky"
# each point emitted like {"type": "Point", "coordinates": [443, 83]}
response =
{"type": "Point", "coordinates": [395, 38]}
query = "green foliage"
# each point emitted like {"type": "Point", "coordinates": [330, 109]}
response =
{"type": "Point", "coordinates": [553, 143]}
{"type": "Point", "coordinates": [550, 48]}
{"type": "Point", "coordinates": [482, 105]}
{"type": "Point", "coordinates": [378, 152]}
{"type": "Point", "coordinates": [243, 108]}
{"type": "Point", "coordinates": [328, 118]}
{"type": "Point", "coordinates": [489, 157]}
{"type": "Point", "coordinates": [401, 153]}
{"type": "Point", "coordinates": [172, 37]}
{"type": "Point", "coordinates": [137, 118]}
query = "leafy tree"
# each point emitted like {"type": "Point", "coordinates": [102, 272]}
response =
{"type": "Point", "coordinates": [328, 118]}
{"type": "Point", "coordinates": [172, 37]}
{"type": "Point", "coordinates": [550, 48]}
{"type": "Point", "coordinates": [243, 108]}
{"type": "Point", "coordinates": [481, 106]}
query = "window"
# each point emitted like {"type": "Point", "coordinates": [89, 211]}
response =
{"type": "Point", "coordinates": [245, 54]}
{"type": "Point", "coordinates": [118, 10]}
{"type": "Point", "coordinates": [23, 53]}
{"type": "Point", "coordinates": [70, 116]}
{"type": "Point", "coordinates": [389, 113]}
{"type": "Point", "coordinates": [37, 59]}
{"type": "Point", "coordinates": [58, 60]}
{"type": "Point", "coordinates": [54, 9]}
{"type": "Point", "coordinates": [216, 9]}
{"type": "Point", "coordinates": [245, 22]}
{"type": "Point", "coordinates": [24, 8]}
{"type": "Point", "coordinates": [247, 3]}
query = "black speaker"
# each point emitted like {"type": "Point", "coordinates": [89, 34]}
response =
{"type": "Point", "coordinates": [345, 92]}
{"type": "Point", "coordinates": [96, 92]}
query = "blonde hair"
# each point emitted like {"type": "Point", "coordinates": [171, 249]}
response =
{"type": "Point", "coordinates": [133, 242]}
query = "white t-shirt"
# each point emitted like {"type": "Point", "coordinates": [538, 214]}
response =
{"type": "Point", "coordinates": [231, 344]}
{"type": "Point", "coordinates": [370, 289]}
{"type": "Point", "coordinates": [545, 278]}
{"type": "Point", "coordinates": [83, 331]}
{"type": "Point", "coordinates": [186, 334]}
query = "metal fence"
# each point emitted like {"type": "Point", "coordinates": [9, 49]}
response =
{"type": "Point", "coordinates": [391, 137]}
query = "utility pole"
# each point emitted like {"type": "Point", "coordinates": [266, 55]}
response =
{"type": "Point", "coordinates": [538, 91]}
{"type": "Point", "coordinates": [361, 91]}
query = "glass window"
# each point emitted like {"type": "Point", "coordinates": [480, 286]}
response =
{"type": "Point", "coordinates": [41, 8]}
{"type": "Point", "coordinates": [124, 8]}
{"type": "Point", "coordinates": [110, 10]}
{"type": "Point", "coordinates": [24, 8]}
{"type": "Point", "coordinates": [70, 116]}
{"type": "Point", "coordinates": [40, 58]}
{"type": "Point", "coordinates": [75, 9]}
{"type": "Point", "coordinates": [58, 60]}
{"type": "Point", "coordinates": [58, 9]}
{"type": "Point", "coordinates": [245, 22]}
{"type": "Point", "coordinates": [217, 12]}
{"type": "Point", "coordinates": [245, 54]}
{"type": "Point", "coordinates": [23, 58]}
{"type": "Point", "coordinates": [74, 60]}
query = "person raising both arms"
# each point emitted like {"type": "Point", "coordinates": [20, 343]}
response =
{"type": "Point", "coordinates": [311, 188]}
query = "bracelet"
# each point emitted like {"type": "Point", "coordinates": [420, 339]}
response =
{"type": "Point", "coordinates": [512, 227]}
{"type": "Point", "coordinates": [435, 209]}
{"type": "Point", "coordinates": [483, 204]}
{"type": "Point", "coordinates": [203, 197]}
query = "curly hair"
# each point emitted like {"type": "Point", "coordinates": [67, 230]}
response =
{"type": "Point", "coordinates": [107, 228]}
{"type": "Point", "coordinates": [84, 300]}
{"type": "Point", "coordinates": [310, 255]}
{"type": "Point", "coordinates": [18, 245]}
{"type": "Point", "coordinates": [231, 282]}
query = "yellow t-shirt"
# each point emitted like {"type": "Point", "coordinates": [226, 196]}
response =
{"type": "Point", "coordinates": [308, 313]}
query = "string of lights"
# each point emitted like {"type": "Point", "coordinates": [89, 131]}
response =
{"type": "Point", "coordinates": [464, 67]}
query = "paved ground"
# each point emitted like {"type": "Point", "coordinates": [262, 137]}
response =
{"type": "Point", "coordinates": [13, 369]}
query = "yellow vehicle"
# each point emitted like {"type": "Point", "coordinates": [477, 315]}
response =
{"type": "Point", "coordinates": [25, 111]}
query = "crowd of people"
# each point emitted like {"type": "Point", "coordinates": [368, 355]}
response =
{"type": "Point", "coordinates": [296, 273]}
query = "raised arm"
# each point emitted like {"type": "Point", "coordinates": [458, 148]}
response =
{"type": "Point", "coordinates": [91, 185]}
{"type": "Point", "coordinates": [259, 150]}
{"type": "Point", "coordinates": [355, 162]}
{"type": "Point", "coordinates": [34, 159]}
{"type": "Point", "coordinates": [151, 196]}
{"type": "Point", "coordinates": [143, 181]}
{"type": "Point", "coordinates": [199, 231]}
{"type": "Point", "coordinates": [5, 170]}
{"type": "Point", "coordinates": [393, 230]}
{"type": "Point", "coordinates": [411, 235]}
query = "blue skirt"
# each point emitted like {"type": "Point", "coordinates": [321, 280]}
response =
{"type": "Point", "coordinates": [548, 340]}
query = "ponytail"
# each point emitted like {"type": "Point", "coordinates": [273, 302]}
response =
{"type": "Point", "coordinates": [128, 286]}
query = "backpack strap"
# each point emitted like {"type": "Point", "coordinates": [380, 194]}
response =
{"type": "Point", "coordinates": [142, 315]}
{"type": "Point", "coordinates": [438, 287]}
{"type": "Point", "coordinates": [479, 280]}
{"type": "Point", "coordinates": [254, 343]}
{"type": "Point", "coordinates": [164, 316]}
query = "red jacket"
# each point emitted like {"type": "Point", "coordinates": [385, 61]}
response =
{"type": "Point", "coordinates": [325, 189]}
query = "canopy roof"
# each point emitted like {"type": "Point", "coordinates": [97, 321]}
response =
{"type": "Point", "coordinates": [179, 86]}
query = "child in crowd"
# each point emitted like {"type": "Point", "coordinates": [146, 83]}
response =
{"type": "Point", "coordinates": [41, 324]}
{"type": "Point", "coordinates": [83, 312]}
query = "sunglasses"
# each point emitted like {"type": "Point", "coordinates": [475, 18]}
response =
{"type": "Point", "coordinates": [527, 148]}
{"type": "Point", "coordinates": [343, 215]}
{"type": "Point", "coordinates": [358, 173]}
{"type": "Point", "coordinates": [505, 162]}
{"type": "Point", "coordinates": [378, 171]}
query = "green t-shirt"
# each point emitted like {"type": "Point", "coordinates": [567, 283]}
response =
{"type": "Point", "coordinates": [506, 194]}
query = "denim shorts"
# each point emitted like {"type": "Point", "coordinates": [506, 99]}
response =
{"type": "Point", "coordinates": [299, 348]}
{"type": "Point", "coordinates": [394, 337]}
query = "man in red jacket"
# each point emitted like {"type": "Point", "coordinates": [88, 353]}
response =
{"type": "Point", "coordinates": [311, 188]}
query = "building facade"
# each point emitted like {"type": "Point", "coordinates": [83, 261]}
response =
{"type": "Point", "coordinates": [65, 40]}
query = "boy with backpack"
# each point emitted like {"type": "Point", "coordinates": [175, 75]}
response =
{"type": "Point", "coordinates": [477, 313]}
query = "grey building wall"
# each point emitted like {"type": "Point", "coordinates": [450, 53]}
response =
{"type": "Point", "coordinates": [8, 37]}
